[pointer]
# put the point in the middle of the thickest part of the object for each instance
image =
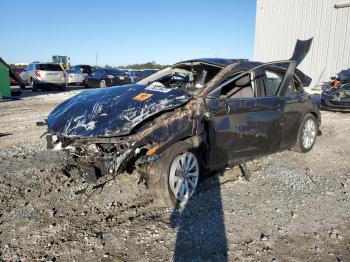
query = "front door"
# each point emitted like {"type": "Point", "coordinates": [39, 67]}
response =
{"type": "Point", "coordinates": [243, 124]}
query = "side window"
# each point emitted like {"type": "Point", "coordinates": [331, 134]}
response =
{"type": "Point", "coordinates": [97, 74]}
{"type": "Point", "coordinates": [239, 88]}
{"type": "Point", "coordinates": [273, 82]}
{"type": "Point", "coordinates": [292, 88]}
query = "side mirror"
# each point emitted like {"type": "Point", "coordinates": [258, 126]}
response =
{"type": "Point", "coordinates": [223, 102]}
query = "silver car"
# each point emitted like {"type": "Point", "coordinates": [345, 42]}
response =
{"type": "Point", "coordinates": [75, 77]}
{"type": "Point", "coordinates": [38, 75]}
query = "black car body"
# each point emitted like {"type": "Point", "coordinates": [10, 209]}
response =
{"type": "Point", "coordinates": [104, 77]}
{"type": "Point", "coordinates": [336, 95]}
{"type": "Point", "coordinates": [221, 111]}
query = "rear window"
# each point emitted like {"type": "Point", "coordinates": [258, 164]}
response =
{"type": "Point", "coordinates": [50, 67]}
{"type": "Point", "coordinates": [86, 69]}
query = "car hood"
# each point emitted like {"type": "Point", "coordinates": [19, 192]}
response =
{"type": "Point", "coordinates": [113, 111]}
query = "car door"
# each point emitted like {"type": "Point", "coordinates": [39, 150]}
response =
{"type": "Point", "coordinates": [295, 107]}
{"type": "Point", "coordinates": [243, 124]}
{"type": "Point", "coordinates": [24, 74]}
{"type": "Point", "coordinates": [95, 79]}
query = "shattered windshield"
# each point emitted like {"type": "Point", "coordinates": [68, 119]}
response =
{"type": "Point", "coordinates": [190, 77]}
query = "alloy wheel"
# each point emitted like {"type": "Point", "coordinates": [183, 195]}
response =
{"type": "Point", "coordinates": [309, 133]}
{"type": "Point", "coordinates": [183, 177]}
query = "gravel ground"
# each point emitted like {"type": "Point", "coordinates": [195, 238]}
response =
{"type": "Point", "coordinates": [296, 207]}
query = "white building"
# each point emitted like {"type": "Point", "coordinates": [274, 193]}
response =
{"type": "Point", "coordinates": [280, 22]}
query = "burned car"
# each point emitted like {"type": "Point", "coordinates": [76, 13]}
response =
{"type": "Point", "coordinates": [336, 94]}
{"type": "Point", "coordinates": [187, 119]}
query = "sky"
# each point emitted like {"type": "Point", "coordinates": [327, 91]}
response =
{"type": "Point", "coordinates": [126, 32]}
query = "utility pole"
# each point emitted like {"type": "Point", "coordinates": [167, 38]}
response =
{"type": "Point", "coordinates": [96, 60]}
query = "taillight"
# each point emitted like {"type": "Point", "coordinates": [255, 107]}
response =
{"type": "Point", "coordinates": [37, 73]}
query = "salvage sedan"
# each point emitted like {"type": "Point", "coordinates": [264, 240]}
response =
{"type": "Point", "coordinates": [187, 119]}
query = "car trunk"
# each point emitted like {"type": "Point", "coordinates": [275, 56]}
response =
{"type": "Point", "coordinates": [51, 73]}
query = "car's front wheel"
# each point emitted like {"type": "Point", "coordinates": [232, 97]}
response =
{"type": "Point", "coordinates": [307, 134]}
{"type": "Point", "coordinates": [174, 176]}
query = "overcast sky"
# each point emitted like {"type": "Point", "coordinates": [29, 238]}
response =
{"type": "Point", "coordinates": [126, 32]}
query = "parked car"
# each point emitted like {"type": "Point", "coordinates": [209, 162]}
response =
{"type": "Point", "coordinates": [106, 77]}
{"type": "Point", "coordinates": [17, 71]}
{"type": "Point", "coordinates": [186, 120]}
{"type": "Point", "coordinates": [135, 76]}
{"type": "Point", "coordinates": [39, 75]}
{"type": "Point", "coordinates": [336, 93]}
{"type": "Point", "coordinates": [75, 77]}
{"type": "Point", "coordinates": [85, 69]}
{"type": "Point", "coordinates": [147, 72]}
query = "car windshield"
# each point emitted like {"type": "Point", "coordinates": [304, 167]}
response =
{"type": "Point", "coordinates": [50, 67]}
{"type": "Point", "coordinates": [191, 77]}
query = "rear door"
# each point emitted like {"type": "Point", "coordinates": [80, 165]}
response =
{"type": "Point", "coordinates": [293, 99]}
{"type": "Point", "coordinates": [96, 77]}
{"type": "Point", "coordinates": [25, 73]}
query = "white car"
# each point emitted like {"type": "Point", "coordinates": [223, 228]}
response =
{"type": "Point", "coordinates": [75, 77]}
{"type": "Point", "coordinates": [39, 75]}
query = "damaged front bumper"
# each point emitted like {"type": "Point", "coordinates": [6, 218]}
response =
{"type": "Point", "coordinates": [93, 156]}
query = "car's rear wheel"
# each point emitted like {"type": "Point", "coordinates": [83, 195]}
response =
{"type": "Point", "coordinates": [33, 84]}
{"type": "Point", "coordinates": [307, 134]}
{"type": "Point", "coordinates": [174, 176]}
{"type": "Point", "coordinates": [103, 84]}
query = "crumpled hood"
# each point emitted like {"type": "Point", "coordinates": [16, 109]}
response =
{"type": "Point", "coordinates": [113, 111]}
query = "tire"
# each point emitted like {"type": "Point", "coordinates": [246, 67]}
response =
{"type": "Point", "coordinates": [33, 85]}
{"type": "Point", "coordinates": [103, 84]}
{"type": "Point", "coordinates": [85, 84]}
{"type": "Point", "coordinates": [307, 134]}
{"type": "Point", "coordinates": [162, 175]}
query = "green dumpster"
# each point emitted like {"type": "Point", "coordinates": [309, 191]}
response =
{"type": "Point", "coordinates": [5, 89]}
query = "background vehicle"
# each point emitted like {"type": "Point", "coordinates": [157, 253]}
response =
{"type": "Point", "coordinates": [85, 69]}
{"type": "Point", "coordinates": [63, 61]}
{"type": "Point", "coordinates": [135, 75]}
{"type": "Point", "coordinates": [106, 77]}
{"type": "Point", "coordinates": [147, 72]}
{"type": "Point", "coordinates": [75, 77]}
{"type": "Point", "coordinates": [17, 71]}
{"type": "Point", "coordinates": [43, 74]}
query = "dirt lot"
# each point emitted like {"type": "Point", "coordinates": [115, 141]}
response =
{"type": "Point", "coordinates": [296, 207]}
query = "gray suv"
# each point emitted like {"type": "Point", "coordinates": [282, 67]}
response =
{"type": "Point", "coordinates": [43, 74]}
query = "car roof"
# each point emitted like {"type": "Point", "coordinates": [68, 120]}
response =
{"type": "Point", "coordinates": [221, 62]}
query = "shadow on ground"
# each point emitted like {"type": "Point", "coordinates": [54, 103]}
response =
{"type": "Point", "coordinates": [199, 236]}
